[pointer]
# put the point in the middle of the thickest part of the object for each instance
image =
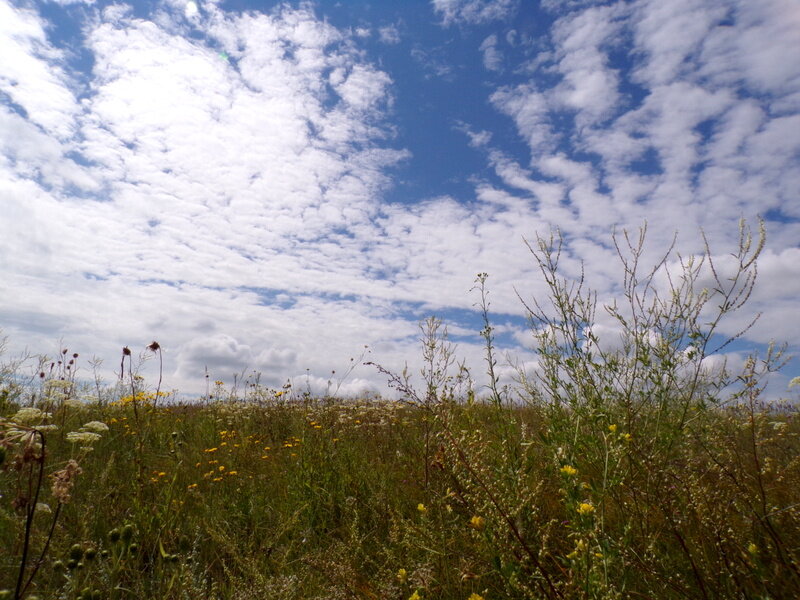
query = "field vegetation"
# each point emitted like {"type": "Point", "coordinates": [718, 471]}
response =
{"type": "Point", "coordinates": [642, 469]}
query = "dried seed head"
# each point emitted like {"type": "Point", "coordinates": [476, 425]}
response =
{"type": "Point", "coordinates": [63, 481]}
{"type": "Point", "coordinates": [126, 351]}
{"type": "Point", "coordinates": [154, 347]}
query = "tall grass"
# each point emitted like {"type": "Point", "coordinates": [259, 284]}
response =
{"type": "Point", "coordinates": [632, 471]}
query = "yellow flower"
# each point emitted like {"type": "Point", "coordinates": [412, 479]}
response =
{"type": "Point", "coordinates": [421, 508]}
{"type": "Point", "coordinates": [585, 508]}
{"type": "Point", "coordinates": [402, 575]}
{"type": "Point", "coordinates": [752, 548]}
{"type": "Point", "coordinates": [569, 470]}
{"type": "Point", "coordinates": [191, 486]}
{"type": "Point", "coordinates": [626, 436]}
{"type": "Point", "coordinates": [477, 523]}
{"type": "Point", "coordinates": [612, 428]}
{"type": "Point", "coordinates": [415, 596]}
{"type": "Point", "coordinates": [474, 596]}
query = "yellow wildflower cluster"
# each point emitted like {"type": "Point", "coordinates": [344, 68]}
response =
{"type": "Point", "coordinates": [569, 471]}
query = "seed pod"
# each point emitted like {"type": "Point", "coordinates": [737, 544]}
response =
{"type": "Point", "coordinates": [127, 533]}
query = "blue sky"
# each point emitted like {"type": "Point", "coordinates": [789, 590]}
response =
{"type": "Point", "coordinates": [271, 187]}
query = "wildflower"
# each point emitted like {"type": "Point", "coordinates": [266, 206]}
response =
{"type": "Point", "coordinates": [415, 596]}
{"type": "Point", "coordinates": [87, 438]}
{"type": "Point", "coordinates": [233, 472]}
{"type": "Point", "coordinates": [95, 426]}
{"type": "Point", "coordinates": [580, 548]}
{"type": "Point", "coordinates": [612, 428]}
{"type": "Point", "coordinates": [29, 415]}
{"type": "Point", "coordinates": [210, 449]}
{"type": "Point", "coordinates": [475, 596]}
{"type": "Point", "coordinates": [569, 470]}
{"type": "Point", "coordinates": [477, 523]}
{"type": "Point", "coordinates": [191, 486]}
{"type": "Point", "coordinates": [422, 508]}
{"type": "Point", "coordinates": [627, 437]}
{"type": "Point", "coordinates": [752, 548]}
{"type": "Point", "coordinates": [585, 508]}
{"type": "Point", "coordinates": [402, 575]}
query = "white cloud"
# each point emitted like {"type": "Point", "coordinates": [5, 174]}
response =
{"type": "Point", "coordinates": [223, 194]}
{"type": "Point", "coordinates": [389, 34]}
{"type": "Point", "coordinates": [474, 12]}
{"type": "Point", "coordinates": [32, 73]}
{"type": "Point", "coordinates": [191, 9]}
{"type": "Point", "coordinates": [492, 57]}
{"type": "Point", "coordinates": [529, 108]}
{"type": "Point", "coordinates": [214, 175]}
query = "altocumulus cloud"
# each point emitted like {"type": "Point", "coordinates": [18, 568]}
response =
{"type": "Point", "coordinates": [217, 180]}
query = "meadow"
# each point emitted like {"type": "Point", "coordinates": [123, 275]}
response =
{"type": "Point", "coordinates": [637, 472]}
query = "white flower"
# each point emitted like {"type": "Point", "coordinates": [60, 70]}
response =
{"type": "Point", "coordinates": [95, 426]}
{"type": "Point", "coordinates": [87, 438]}
{"type": "Point", "coordinates": [29, 414]}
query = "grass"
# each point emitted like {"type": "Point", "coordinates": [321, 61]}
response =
{"type": "Point", "coordinates": [633, 473]}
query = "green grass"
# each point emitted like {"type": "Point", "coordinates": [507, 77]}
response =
{"type": "Point", "coordinates": [328, 500]}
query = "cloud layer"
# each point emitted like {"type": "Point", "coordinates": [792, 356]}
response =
{"type": "Point", "coordinates": [217, 180]}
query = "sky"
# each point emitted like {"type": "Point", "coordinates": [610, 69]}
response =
{"type": "Point", "coordinates": [272, 187]}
